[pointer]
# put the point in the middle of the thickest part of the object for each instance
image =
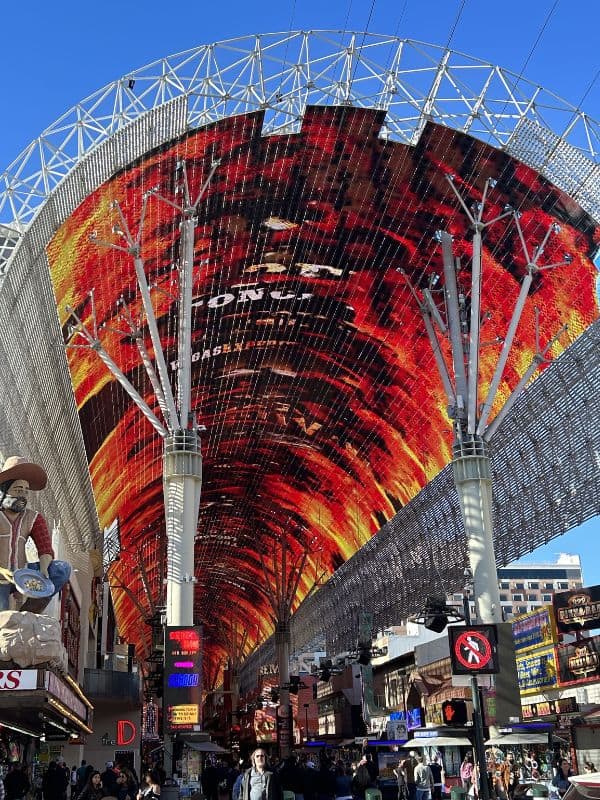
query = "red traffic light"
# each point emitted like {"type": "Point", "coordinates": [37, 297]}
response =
{"type": "Point", "coordinates": [454, 712]}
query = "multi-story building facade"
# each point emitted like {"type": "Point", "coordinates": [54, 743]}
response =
{"type": "Point", "coordinates": [525, 587]}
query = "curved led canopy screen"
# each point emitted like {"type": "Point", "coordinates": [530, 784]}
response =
{"type": "Point", "coordinates": [312, 371]}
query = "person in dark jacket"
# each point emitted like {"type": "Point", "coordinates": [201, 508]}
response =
{"type": "Point", "coordinates": [55, 782]}
{"type": "Point", "coordinates": [209, 779]}
{"type": "Point", "coordinates": [258, 782]}
{"type": "Point", "coordinates": [16, 783]}
{"type": "Point", "coordinates": [109, 779]}
{"type": "Point", "coordinates": [123, 788]}
{"type": "Point", "coordinates": [361, 780]}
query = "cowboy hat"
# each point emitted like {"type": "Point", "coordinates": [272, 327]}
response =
{"type": "Point", "coordinates": [16, 467]}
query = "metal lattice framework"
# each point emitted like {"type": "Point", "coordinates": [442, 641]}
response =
{"type": "Point", "coordinates": [546, 453]}
{"type": "Point", "coordinates": [548, 448]}
{"type": "Point", "coordinates": [282, 73]}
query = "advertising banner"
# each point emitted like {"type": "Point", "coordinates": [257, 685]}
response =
{"type": "Point", "coordinates": [579, 662]}
{"type": "Point", "coordinates": [296, 297]}
{"type": "Point", "coordinates": [537, 671]}
{"type": "Point", "coordinates": [284, 727]}
{"type": "Point", "coordinates": [547, 708]}
{"type": "Point", "coordinates": [182, 698]}
{"type": "Point", "coordinates": [577, 610]}
{"type": "Point", "coordinates": [535, 629]}
{"type": "Point", "coordinates": [18, 679]}
{"type": "Point", "coordinates": [413, 717]}
{"type": "Point", "coordinates": [265, 727]}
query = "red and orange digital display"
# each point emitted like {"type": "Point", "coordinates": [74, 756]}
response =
{"type": "Point", "coordinates": [312, 371]}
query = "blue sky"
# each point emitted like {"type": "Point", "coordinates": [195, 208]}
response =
{"type": "Point", "coordinates": [55, 54]}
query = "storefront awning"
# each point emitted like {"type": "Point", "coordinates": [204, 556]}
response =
{"type": "Point", "coordinates": [206, 747]}
{"type": "Point", "coordinates": [439, 741]}
{"type": "Point", "coordinates": [40, 702]}
{"type": "Point", "coordinates": [518, 739]}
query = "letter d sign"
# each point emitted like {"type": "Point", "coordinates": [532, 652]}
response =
{"type": "Point", "coordinates": [125, 732]}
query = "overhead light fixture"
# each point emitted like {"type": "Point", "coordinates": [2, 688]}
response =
{"type": "Point", "coordinates": [18, 729]}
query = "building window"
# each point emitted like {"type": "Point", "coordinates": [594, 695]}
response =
{"type": "Point", "coordinates": [521, 609]}
{"type": "Point", "coordinates": [547, 598]}
{"type": "Point", "coordinates": [504, 585]}
{"type": "Point", "coordinates": [517, 597]}
{"type": "Point", "coordinates": [534, 585]}
{"type": "Point", "coordinates": [519, 585]}
{"type": "Point", "coordinates": [563, 585]}
{"type": "Point", "coordinates": [531, 597]}
{"type": "Point", "coordinates": [503, 598]}
{"type": "Point", "coordinates": [549, 586]}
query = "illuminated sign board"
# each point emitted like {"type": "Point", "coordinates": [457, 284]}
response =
{"type": "Point", "coordinates": [413, 718]}
{"type": "Point", "coordinates": [15, 679]}
{"type": "Point", "coordinates": [182, 696]}
{"type": "Point", "coordinates": [126, 732]}
{"type": "Point", "coordinates": [537, 671]}
{"type": "Point", "coordinates": [536, 629]}
{"type": "Point", "coordinates": [577, 610]}
{"type": "Point", "coordinates": [579, 662]}
{"type": "Point", "coordinates": [474, 650]}
{"type": "Point", "coordinates": [297, 296]}
{"type": "Point", "coordinates": [547, 708]}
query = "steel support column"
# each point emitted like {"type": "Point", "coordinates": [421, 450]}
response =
{"type": "Point", "coordinates": [182, 481]}
{"type": "Point", "coordinates": [284, 711]}
{"type": "Point", "coordinates": [473, 480]}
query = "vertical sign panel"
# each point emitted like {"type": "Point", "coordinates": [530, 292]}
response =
{"type": "Point", "coordinates": [182, 698]}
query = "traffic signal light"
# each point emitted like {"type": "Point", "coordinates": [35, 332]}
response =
{"type": "Point", "coordinates": [454, 712]}
{"type": "Point", "coordinates": [294, 684]}
{"type": "Point", "coordinates": [274, 695]}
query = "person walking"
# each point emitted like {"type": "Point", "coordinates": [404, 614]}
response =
{"type": "Point", "coordinates": [16, 783]}
{"type": "Point", "coordinates": [93, 789]}
{"type": "Point", "coordinates": [258, 782]}
{"type": "Point", "coordinates": [423, 780]}
{"type": "Point", "coordinates": [361, 779]}
{"type": "Point", "coordinates": [55, 782]}
{"type": "Point", "coordinates": [109, 779]}
{"type": "Point", "coordinates": [408, 767]}
{"type": "Point", "coordinates": [343, 782]}
{"type": "Point", "coordinates": [508, 776]}
{"type": "Point", "coordinates": [437, 770]}
{"type": "Point", "coordinates": [466, 771]}
{"type": "Point", "coordinates": [561, 779]}
{"type": "Point", "coordinates": [150, 786]}
{"type": "Point", "coordinates": [401, 780]}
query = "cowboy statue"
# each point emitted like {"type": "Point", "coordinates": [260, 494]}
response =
{"type": "Point", "coordinates": [37, 582]}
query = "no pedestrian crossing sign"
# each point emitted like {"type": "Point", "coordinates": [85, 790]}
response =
{"type": "Point", "coordinates": [474, 649]}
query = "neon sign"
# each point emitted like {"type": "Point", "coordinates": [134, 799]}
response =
{"type": "Point", "coordinates": [183, 682]}
{"type": "Point", "coordinates": [126, 732]}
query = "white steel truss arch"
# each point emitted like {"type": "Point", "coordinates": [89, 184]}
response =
{"type": "Point", "coordinates": [281, 73]}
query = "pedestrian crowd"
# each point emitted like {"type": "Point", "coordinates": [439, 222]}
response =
{"type": "Point", "coordinates": [324, 778]}
{"type": "Point", "coordinates": [58, 782]}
